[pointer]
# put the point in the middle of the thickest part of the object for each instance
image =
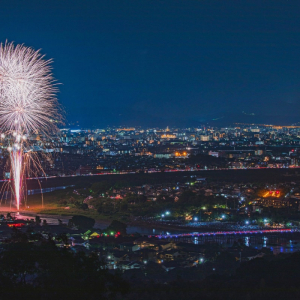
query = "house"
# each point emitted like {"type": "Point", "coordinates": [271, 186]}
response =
{"type": "Point", "coordinates": [249, 255]}
{"type": "Point", "coordinates": [208, 192]}
{"type": "Point", "coordinates": [80, 248]}
{"type": "Point", "coordinates": [170, 265]}
{"type": "Point", "coordinates": [169, 255]}
{"type": "Point", "coordinates": [77, 241]}
{"type": "Point", "coordinates": [130, 265]}
{"type": "Point", "coordinates": [117, 256]}
{"type": "Point", "coordinates": [246, 254]}
{"type": "Point", "coordinates": [153, 243]}
{"type": "Point", "coordinates": [144, 255]}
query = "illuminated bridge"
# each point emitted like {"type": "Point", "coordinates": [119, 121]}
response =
{"type": "Point", "coordinates": [226, 233]}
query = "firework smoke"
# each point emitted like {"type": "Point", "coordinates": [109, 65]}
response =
{"type": "Point", "coordinates": [28, 103]}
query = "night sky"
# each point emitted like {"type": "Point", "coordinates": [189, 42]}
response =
{"type": "Point", "coordinates": [159, 63]}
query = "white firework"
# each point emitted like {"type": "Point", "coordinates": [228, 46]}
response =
{"type": "Point", "coordinates": [28, 102]}
{"type": "Point", "coordinates": [27, 90]}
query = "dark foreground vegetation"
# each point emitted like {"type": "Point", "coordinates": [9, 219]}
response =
{"type": "Point", "coordinates": [257, 279]}
{"type": "Point", "coordinates": [32, 267]}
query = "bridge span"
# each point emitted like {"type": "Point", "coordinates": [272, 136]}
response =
{"type": "Point", "coordinates": [224, 233]}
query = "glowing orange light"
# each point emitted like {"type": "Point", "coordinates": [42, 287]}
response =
{"type": "Point", "coordinates": [15, 225]}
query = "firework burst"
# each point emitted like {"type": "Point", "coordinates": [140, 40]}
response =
{"type": "Point", "coordinates": [28, 104]}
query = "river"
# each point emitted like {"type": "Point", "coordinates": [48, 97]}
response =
{"type": "Point", "coordinates": [278, 243]}
{"type": "Point", "coordinates": [53, 220]}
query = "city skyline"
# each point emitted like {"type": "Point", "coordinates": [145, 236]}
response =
{"type": "Point", "coordinates": [149, 149]}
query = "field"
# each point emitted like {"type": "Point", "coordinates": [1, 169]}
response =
{"type": "Point", "coordinates": [50, 203]}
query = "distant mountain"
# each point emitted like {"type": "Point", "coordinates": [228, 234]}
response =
{"type": "Point", "coordinates": [255, 119]}
{"type": "Point", "coordinates": [103, 116]}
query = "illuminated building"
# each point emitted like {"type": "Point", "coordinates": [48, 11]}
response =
{"type": "Point", "coordinates": [204, 138]}
{"type": "Point", "coordinates": [181, 154]}
{"type": "Point", "coordinates": [168, 136]}
{"type": "Point", "coordinates": [162, 155]}
{"type": "Point", "coordinates": [292, 203]}
{"type": "Point", "coordinates": [126, 129]}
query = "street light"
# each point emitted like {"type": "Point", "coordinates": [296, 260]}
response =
{"type": "Point", "coordinates": [195, 219]}
{"type": "Point", "coordinates": [167, 213]}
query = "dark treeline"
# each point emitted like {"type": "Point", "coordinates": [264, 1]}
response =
{"type": "Point", "coordinates": [258, 279]}
{"type": "Point", "coordinates": [237, 176]}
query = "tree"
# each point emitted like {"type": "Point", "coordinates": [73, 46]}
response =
{"type": "Point", "coordinates": [100, 208]}
{"type": "Point", "coordinates": [187, 198]}
{"type": "Point", "coordinates": [117, 226]}
{"type": "Point", "coordinates": [83, 222]}
{"type": "Point", "coordinates": [63, 238]}
{"type": "Point", "coordinates": [226, 260]}
{"type": "Point", "coordinates": [100, 187]}
{"type": "Point", "coordinates": [84, 206]}
{"type": "Point", "coordinates": [123, 206]}
{"type": "Point", "coordinates": [55, 273]}
{"type": "Point", "coordinates": [164, 199]}
{"type": "Point", "coordinates": [17, 262]}
{"type": "Point", "coordinates": [38, 220]}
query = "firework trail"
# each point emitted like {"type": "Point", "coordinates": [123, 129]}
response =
{"type": "Point", "coordinates": [28, 105]}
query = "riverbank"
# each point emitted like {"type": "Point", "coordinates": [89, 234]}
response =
{"type": "Point", "coordinates": [59, 212]}
{"type": "Point", "coordinates": [173, 227]}
{"type": "Point", "coordinates": [53, 210]}
{"type": "Point", "coordinates": [165, 227]}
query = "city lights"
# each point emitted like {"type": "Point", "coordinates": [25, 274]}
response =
{"type": "Point", "coordinates": [172, 168]}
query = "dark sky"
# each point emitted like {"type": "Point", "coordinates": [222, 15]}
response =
{"type": "Point", "coordinates": [166, 62]}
